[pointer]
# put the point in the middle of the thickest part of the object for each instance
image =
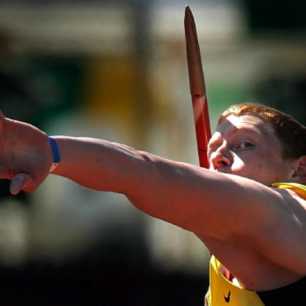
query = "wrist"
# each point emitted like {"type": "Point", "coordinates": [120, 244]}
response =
{"type": "Point", "coordinates": [55, 153]}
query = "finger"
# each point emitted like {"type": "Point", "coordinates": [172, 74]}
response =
{"type": "Point", "coordinates": [20, 182]}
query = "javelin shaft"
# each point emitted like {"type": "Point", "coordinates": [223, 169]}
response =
{"type": "Point", "coordinates": [197, 88]}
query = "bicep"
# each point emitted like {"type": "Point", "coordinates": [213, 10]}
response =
{"type": "Point", "coordinates": [204, 202]}
{"type": "Point", "coordinates": [224, 208]}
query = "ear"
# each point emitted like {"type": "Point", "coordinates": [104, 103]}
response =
{"type": "Point", "coordinates": [299, 174]}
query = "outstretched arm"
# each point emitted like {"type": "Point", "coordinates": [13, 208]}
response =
{"type": "Point", "coordinates": [180, 193]}
{"type": "Point", "coordinates": [215, 206]}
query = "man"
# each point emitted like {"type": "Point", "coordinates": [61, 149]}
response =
{"type": "Point", "coordinates": [254, 224]}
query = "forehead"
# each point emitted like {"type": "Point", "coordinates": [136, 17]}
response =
{"type": "Point", "coordinates": [245, 123]}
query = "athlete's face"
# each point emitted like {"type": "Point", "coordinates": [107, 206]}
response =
{"type": "Point", "coordinates": [247, 146]}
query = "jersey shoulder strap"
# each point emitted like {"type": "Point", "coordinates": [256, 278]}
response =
{"type": "Point", "coordinates": [299, 189]}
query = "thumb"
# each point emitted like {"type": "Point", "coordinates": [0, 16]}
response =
{"type": "Point", "coordinates": [19, 182]}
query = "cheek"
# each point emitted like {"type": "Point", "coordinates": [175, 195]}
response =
{"type": "Point", "coordinates": [248, 166]}
{"type": "Point", "coordinates": [238, 164]}
{"type": "Point", "coordinates": [258, 169]}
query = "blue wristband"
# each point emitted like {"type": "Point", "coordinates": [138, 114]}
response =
{"type": "Point", "coordinates": [56, 156]}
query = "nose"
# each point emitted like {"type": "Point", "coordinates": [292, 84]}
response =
{"type": "Point", "coordinates": [221, 158]}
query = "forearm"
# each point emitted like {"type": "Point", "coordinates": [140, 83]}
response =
{"type": "Point", "coordinates": [163, 188]}
{"type": "Point", "coordinates": [100, 164]}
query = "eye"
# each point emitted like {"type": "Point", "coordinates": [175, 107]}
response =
{"type": "Point", "coordinates": [243, 145]}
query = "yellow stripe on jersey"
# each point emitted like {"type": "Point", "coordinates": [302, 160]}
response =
{"type": "Point", "coordinates": [299, 189]}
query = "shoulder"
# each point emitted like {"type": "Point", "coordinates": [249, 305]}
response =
{"type": "Point", "coordinates": [292, 201]}
{"type": "Point", "coordinates": [295, 190]}
{"type": "Point", "coordinates": [283, 240]}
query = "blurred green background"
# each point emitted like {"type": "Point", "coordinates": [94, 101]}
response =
{"type": "Point", "coordinates": [117, 70]}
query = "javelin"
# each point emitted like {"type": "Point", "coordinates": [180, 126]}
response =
{"type": "Point", "coordinates": [197, 88]}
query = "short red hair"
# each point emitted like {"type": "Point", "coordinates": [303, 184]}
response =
{"type": "Point", "coordinates": [290, 132]}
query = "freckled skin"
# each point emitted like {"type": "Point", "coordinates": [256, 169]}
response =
{"type": "Point", "coordinates": [247, 146]}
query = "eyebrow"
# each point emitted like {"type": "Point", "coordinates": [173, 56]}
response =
{"type": "Point", "coordinates": [245, 129]}
{"type": "Point", "coordinates": [235, 130]}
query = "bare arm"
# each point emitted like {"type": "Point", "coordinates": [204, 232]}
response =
{"type": "Point", "coordinates": [214, 206]}
{"type": "Point", "coordinates": [180, 193]}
